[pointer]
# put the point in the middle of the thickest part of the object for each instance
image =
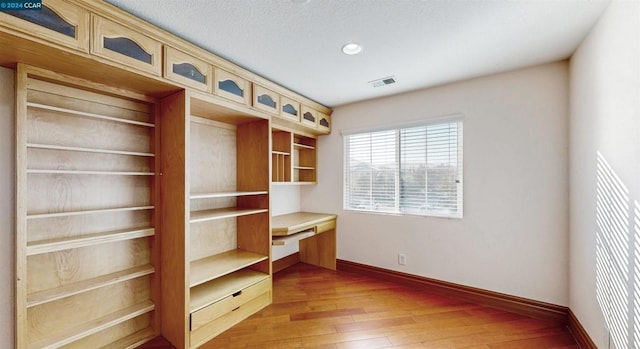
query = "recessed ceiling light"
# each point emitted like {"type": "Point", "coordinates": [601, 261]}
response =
{"type": "Point", "coordinates": [351, 48]}
{"type": "Point", "coordinates": [300, 1]}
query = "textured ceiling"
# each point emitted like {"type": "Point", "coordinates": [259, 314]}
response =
{"type": "Point", "coordinates": [422, 43]}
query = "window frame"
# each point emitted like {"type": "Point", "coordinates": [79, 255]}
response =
{"type": "Point", "coordinates": [458, 214]}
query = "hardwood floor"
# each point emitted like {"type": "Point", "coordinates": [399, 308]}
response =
{"type": "Point", "coordinates": [322, 309]}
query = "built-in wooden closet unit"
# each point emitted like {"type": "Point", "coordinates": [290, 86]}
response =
{"type": "Point", "coordinates": [86, 223]}
{"type": "Point", "coordinates": [216, 266]}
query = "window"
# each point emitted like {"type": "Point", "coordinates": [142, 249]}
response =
{"type": "Point", "coordinates": [415, 169]}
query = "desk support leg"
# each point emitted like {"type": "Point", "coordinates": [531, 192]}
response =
{"type": "Point", "coordinates": [319, 250]}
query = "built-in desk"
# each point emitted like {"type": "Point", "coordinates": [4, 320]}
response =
{"type": "Point", "coordinates": [314, 232]}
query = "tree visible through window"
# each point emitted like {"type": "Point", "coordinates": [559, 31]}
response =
{"type": "Point", "coordinates": [412, 170]}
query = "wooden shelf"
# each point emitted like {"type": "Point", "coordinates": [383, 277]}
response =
{"type": "Point", "coordinates": [88, 150]}
{"type": "Point", "coordinates": [76, 213]}
{"type": "Point", "coordinates": [226, 194]}
{"type": "Point", "coordinates": [88, 115]}
{"type": "Point", "coordinates": [212, 291]}
{"type": "Point", "coordinates": [293, 183]}
{"type": "Point", "coordinates": [222, 213]}
{"type": "Point", "coordinates": [53, 245]}
{"type": "Point", "coordinates": [45, 296]}
{"type": "Point", "coordinates": [281, 153]}
{"type": "Point", "coordinates": [303, 168]}
{"type": "Point", "coordinates": [73, 334]}
{"type": "Point", "coordinates": [304, 146]}
{"type": "Point", "coordinates": [283, 240]}
{"type": "Point", "coordinates": [133, 340]}
{"type": "Point", "coordinates": [209, 268]}
{"type": "Point", "coordinates": [101, 173]}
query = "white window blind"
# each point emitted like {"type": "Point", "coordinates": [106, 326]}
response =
{"type": "Point", "coordinates": [414, 170]}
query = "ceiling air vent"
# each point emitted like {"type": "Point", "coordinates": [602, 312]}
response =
{"type": "Point", "coordinates": [383, 82]}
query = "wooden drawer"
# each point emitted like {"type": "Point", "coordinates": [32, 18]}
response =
{"type": "Point", "coordinates": [309, 117]}
{"type": "Point", "coordinates": [229, 304]}
{"type": "Point", "coordinates": [57, 22]}
{"type": "Point", "coordinates": [324, 122]}
{"type": "Point", "coordinates": [266, 100]}
{"type": "Point", "coordinates": [325, 226]}
{"type": "Point", "coordinates": [232, 87]}
{"type": "Point", "coordinates": [224, 322]}
{"type": "Point", "coordinates": [289, 109]}
{"type": "Point", "coordinates": [122, 45]}
{"type": "Point", "coordinates": [186, 69]}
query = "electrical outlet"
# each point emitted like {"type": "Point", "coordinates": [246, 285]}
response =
{"type": "Point", "coordinates": [402, 259]}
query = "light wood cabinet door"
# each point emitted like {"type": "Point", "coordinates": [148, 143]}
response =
{"type": "Point", "coordinates": [231, 86]}
{"type": "Point", "coordinates": [289, 109]}
{"type": "Point", "coordinates": [122, 45]}
{"type": "Point", "coordinates": [186, 69]}
{"type": "Point", "coordinates": [324, 122]}
{"type": "Point", "coordinates": [266, 100]}
{"type": "Point", "coordinates": [58, 22]}
{"type": "Point", "coordinates": [309, 117]}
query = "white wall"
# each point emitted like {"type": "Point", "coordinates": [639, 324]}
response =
{"type": "Point", "coordinates": [605, 151]}
{"type": "Point", "coordinates": [7, 151]}
{"type": "Point", "coordinates": [284, 199]}
{"type": "Point", "coordinates": [514, 235]}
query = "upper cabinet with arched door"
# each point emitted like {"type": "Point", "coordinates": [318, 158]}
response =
{"type": "Point", "coordinates": [55, 22]}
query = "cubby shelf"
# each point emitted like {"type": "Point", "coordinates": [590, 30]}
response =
{"type": "Point", "coordinates": [293, 158]}
{"type": "Point", "coordinates": [45, 296]}
{"type": "Point", "coordinates": [53, 245]}
{"type": "Point", "coordinates": [209, 268]}
{"type": "Point", "coordinates": [212, 291]}
{"type": "Point", "coordinates": [83, 212]}
{"type": "Point", "coordinates": [94, 326]}
{"type": "Point", "coordinates": [226, 194]}
{"type": "Point", "coordinates": [88, 115]}
{"type": "Point", "coordinates": [222, 213]}
{"type": "Point", "coordinates": [88, 150]}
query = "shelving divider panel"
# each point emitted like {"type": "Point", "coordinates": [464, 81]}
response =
{"type": "Point", "coordinates": [213, 291]}
{"type": "Point", "coordinates": [53, 245]}
{"type": "Point", "coordinates": [73, 334]}
{"type": "Point", "coordinates": [45, 296]}
{"type": "Point", "coordinates": [226, 194]}
{"type": "Point", "coordinates": [222, 213]}
{"type": "Point", "coordinates": [98, 173]}
{"type": "Point", "coordinates": [88, 115]}
{"type": "Point", "coordinates": [209, 268]}
{"type": "Point", "coordinates": [88, 150]}
{"type": "Point", "coordinates": [76, 213]}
